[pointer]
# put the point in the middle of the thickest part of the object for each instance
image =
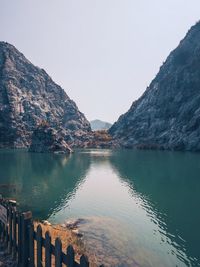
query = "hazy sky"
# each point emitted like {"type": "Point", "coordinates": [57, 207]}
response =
{"type": "Point", "coordinates": [104, 53]}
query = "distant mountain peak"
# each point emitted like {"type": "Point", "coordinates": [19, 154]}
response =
{"type": "Point", "coordinates": [99, 125]}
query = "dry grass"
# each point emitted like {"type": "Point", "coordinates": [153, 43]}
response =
{"type": "Point", "coordinates": [66, 236]}
{"type": "Point", "coordinates": [102, 135]}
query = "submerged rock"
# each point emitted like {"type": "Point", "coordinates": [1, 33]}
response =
{"type": "Point", "coordinates": [73, 224]}
{"type": "Point", "coordinates": [77, 232]}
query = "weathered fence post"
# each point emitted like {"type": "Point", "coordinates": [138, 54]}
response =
{"type": "Point", "coordinates": [10, 217]}
{"type": "Point", "coordinates": [6, 226]}
{"type": "Point", "coordinates": [58, 253]}
{"type": "Point", "coordinates": [70, 256]}
{"type": "Point", "coordinates": [14, 234]}
{"type": "Point", "coordinates": [19, 241]}
{"type": "Point", "coordinates": [31, 245]}
{"type": "Point", "coordinates": [1, 230]}
{"type": "Point", "coordinates": [18, 235]}
{"type": "Point", "coordinates": [47, 249]}
{"type": "Point", "coordinates": [1, 224]}
{"type": "Point", "coordinates": [84, 261]}
{"type": "Point", "coordinates": [26, 221]}
{"type": "Point", "coordinates": [39, 245]}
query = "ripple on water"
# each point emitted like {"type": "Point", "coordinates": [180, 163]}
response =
{"type": "Point", "coordinates": [107, 243]}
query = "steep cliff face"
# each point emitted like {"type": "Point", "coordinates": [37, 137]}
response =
{"type": "Point", "coordinates": [167, 116]}
{"type": "Point", "coordinates": [28, 96]}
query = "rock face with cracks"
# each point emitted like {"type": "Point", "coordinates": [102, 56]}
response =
{"type": "Point", "coordinates": [167, 115]}
{"type": "Point", "coordinates": [28, 96]}
{"type": "Point", "coordinates": [47, 140]}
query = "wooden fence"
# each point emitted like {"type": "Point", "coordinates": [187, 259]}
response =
{"type": "Point", "coordinates": [27, 246]}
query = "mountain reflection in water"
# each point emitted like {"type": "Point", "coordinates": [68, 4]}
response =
{"type": "Point", "coordinates": [41, 182]}
{"type": "Point", "coordinates": [141, 206]}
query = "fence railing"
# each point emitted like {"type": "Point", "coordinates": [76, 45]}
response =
{"type": "Point", "coordinates": [31, 248]}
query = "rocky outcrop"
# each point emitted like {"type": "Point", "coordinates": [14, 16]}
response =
{"type": "Point", "coordinates": [167, 115]}
{"type": "Point", "coordinates": [29, 96]}
{"type": "Point", "coordinates": [46, 139]}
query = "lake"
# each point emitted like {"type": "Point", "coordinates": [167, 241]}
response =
{"type": "Point", "coordinates": [141, 208]}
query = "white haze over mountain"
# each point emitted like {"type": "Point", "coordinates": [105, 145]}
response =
{"type": "Point", "coordinates": [103, 52]}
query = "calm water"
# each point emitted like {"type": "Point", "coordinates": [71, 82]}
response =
{"type": "Point", "coordinates": [141, 207]}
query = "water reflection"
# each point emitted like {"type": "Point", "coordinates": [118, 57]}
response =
{"type": "Point", "coordinates": [41, 182]}
{"type": "Point", "coordinates": [128, 189]}
{"type": "Point", "coordinates": [141, 206]}
{"type": "Point", "coordinates": [168, 184]}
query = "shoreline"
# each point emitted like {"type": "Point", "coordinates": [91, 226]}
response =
{"type": "Point", "coordinates": [67, 237]}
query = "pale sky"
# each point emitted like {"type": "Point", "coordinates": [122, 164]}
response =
{"type": "Point", "coordinates": [104, 53]}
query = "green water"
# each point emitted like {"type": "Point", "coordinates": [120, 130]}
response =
{"type": "Point", "coordinates": [141, 207]}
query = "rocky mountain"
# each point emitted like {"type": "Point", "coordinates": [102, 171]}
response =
{"type": "Point", "coordinates": [167, 115]}
{"type": "Point", "coordinates": [46, 140]}
{"type": "Point", "coordinates": [97, 125]}
{"type": "Point", "coordinates": [28, 97]}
